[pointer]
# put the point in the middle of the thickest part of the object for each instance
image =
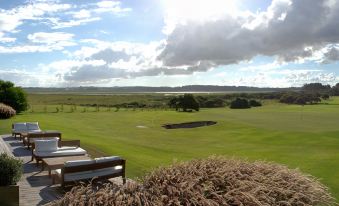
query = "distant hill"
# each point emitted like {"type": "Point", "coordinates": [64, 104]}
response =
{"type": "Point", "coordinates": [144, 89]}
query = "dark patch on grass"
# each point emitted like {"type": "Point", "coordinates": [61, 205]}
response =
{"type": "Point", "coordinates": [189, 125]}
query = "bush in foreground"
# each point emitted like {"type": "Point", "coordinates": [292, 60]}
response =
{"type": "Point", "coordinates": [10, 170]}
{"type": "Point", "coordinates": [6, 111]}
{"type": "Point", "coordinates": [213, 181]}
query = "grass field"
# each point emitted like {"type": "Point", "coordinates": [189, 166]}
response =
{"type": "Point", "coordinates": [300, 137]}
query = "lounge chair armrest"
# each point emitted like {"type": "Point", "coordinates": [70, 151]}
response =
{"type": "Point", "coordinates": [63, 143]}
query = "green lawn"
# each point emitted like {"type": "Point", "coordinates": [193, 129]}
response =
{"type": "Point", "coordinates": [300, 137]}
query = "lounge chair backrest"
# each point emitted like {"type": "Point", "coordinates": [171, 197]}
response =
{"type": "Point", "coordinates": [19, 126]}
{"type": "Point", "coordinates": [50, 145]}
{"type": "Point", "coordinates": [33, 126]}
{"type": "Point", "coordinates": [78, 163]}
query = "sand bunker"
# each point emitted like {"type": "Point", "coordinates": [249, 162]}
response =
{"type": "Point", "coordinates": [189, 124]}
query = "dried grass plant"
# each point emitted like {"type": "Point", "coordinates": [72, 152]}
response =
{"type": "Point", "coordinates": [213, 181]}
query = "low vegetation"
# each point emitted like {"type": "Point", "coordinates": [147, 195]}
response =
{"type": "Point", "coordinates": [10, 170]}
{"type": "Point", "coordinates": [6, 111]}
{"type": "Point", "coordinates": [213, 181]}
{"type": "Point", "coordinates": [242, 103]}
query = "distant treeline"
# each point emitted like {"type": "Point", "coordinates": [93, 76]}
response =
{"type": "Point", "coordinates": [308, 94]}
{"type": "Point", "coordinates": [142, 89]}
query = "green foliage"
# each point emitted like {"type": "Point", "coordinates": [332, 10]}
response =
{"type": "Point", "coordinates": [10, 170]}
{"type": "Point", "coordinates": [254, 103]}
{"type": "Point", "coordinates": [6, 111]}
{"type": "Point", "coordinates": [316, 88]}
{"type": "Point", "coordinates": [240, 103]}
{"type": "Point", "coordinates": [325, 96]}
{"type": "Point", "coordinates": [186, 102]}
{"type": "Point", "coordinates": [13, 96]}
{"type": "Point", "coordinates": [300, 98]}
{"type": "Point", "coordinates": [210, 102]}
{"type": "Point", "coordinates": [275, 132]}
{"type": "Point", "coordinates": [335, 90]}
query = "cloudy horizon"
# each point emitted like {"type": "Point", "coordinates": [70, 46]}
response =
{"type": "Point", "coordinates": [260, 43]}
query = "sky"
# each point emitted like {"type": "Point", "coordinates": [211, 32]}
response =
{"type": "Point", "coordinates": [260, 43]}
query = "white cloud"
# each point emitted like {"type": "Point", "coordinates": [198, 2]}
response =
{"type": "Point", "coordinates": [4, 39]}
{"type": "Point", "coordinates": [51, 38]}
{"type": "Point", "coordinates": [290, 30]}
{"type": "Point", "coordinates": [299, 78]}
{"type": "Point", "coordinates": [42, 42]}
{"type": "Point", "coordinates": [279, 78]}
{"type": "Point", "coordinates": [11, 19]}
{"type": "Point", "coordinates": [25, 78]}
{"type": "Point", "coordinates": [82, 14]}
{"type": "Point", "coordinates": [56, 23]}
{"type": "Point", "coordinates": [111, 6]}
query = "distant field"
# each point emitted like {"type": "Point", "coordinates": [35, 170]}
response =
{"type": "Point", "coordinates": [58, 99]}
{"type": "Point", "coordinates": [305, 137]}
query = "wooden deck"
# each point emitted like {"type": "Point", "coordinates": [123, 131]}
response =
{"type": "Point", "coordinates": [35, 187]}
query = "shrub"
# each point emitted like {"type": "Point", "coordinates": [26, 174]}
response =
{"type": "Point", "coordinates": [10, 170]}
{"type": "Point", "coordinates": [212, 181]}
{"type": "Point", "coordinates": [240, 103]}
{"type": "Point", "coordinates": [6, 111]}
{"type": "Point", "coordinates": [13, 96]}
{"type": "Point", "coordinates": [325, 96]}
{"type": "Point", "coordinates": [186, 102]}
{"type": "Point", "coordinates": [255, 103]}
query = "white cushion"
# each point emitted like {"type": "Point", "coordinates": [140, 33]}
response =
{"type": "Point", "coordinates": [78, 163]}
{"type": "Point", "coordinates": [88, 174]}
{"type": "Point", "coordinates": [19, 127]}
{"type": "Point", "coordinates": [32, 126]}
{"type": "Point", "coordinates": [61, 152]}
{"type": "Point", "coordinates": [66, 148]}
{"type": "Point", "coordinates": [34, 139]}
{"type": "Point", "coordinates": [50, 145]}
{"type": "Point", "coordinates": [106, 159]}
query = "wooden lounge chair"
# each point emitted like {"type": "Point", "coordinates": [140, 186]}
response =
{"type": "Point", "coordinates": [18, 128]}
{"type": "Point", "coordinates": [21, 128]}
{"type": "Point", "coordinates": [33, 136]}
{"type": "Point", "coordinates": [84, 170]}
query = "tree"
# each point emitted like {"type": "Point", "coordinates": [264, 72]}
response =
{"type": "Point", "coordinates": [189, 102]}
{"type": "Point", "coordinates": [240, 103]}
{"type": "Point", "coordinates": [13, 96]}
{"type": "Point", "coordinates": [325, 96]}
{"type": "Point", "coordinates": [186, 102]}
{"type": "Point", "coordinates": [335, 90]}
{"type": "Point", "coordinates": [254, 103]}
{"type": "Point", "coordinates": [316, 88]}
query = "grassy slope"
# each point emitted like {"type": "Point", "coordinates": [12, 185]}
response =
{"type": "Point", "coordinates": [304, 137]}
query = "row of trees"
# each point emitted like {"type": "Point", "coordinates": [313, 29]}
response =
{"type": "Point", "coordinates": [188, 102]}
{"type": "Point", "coordinates": [241, 103]}
{"type": "Point", "coordinates": [302, 98]}
{"type": "Point", "coordinates": [318, 88]}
